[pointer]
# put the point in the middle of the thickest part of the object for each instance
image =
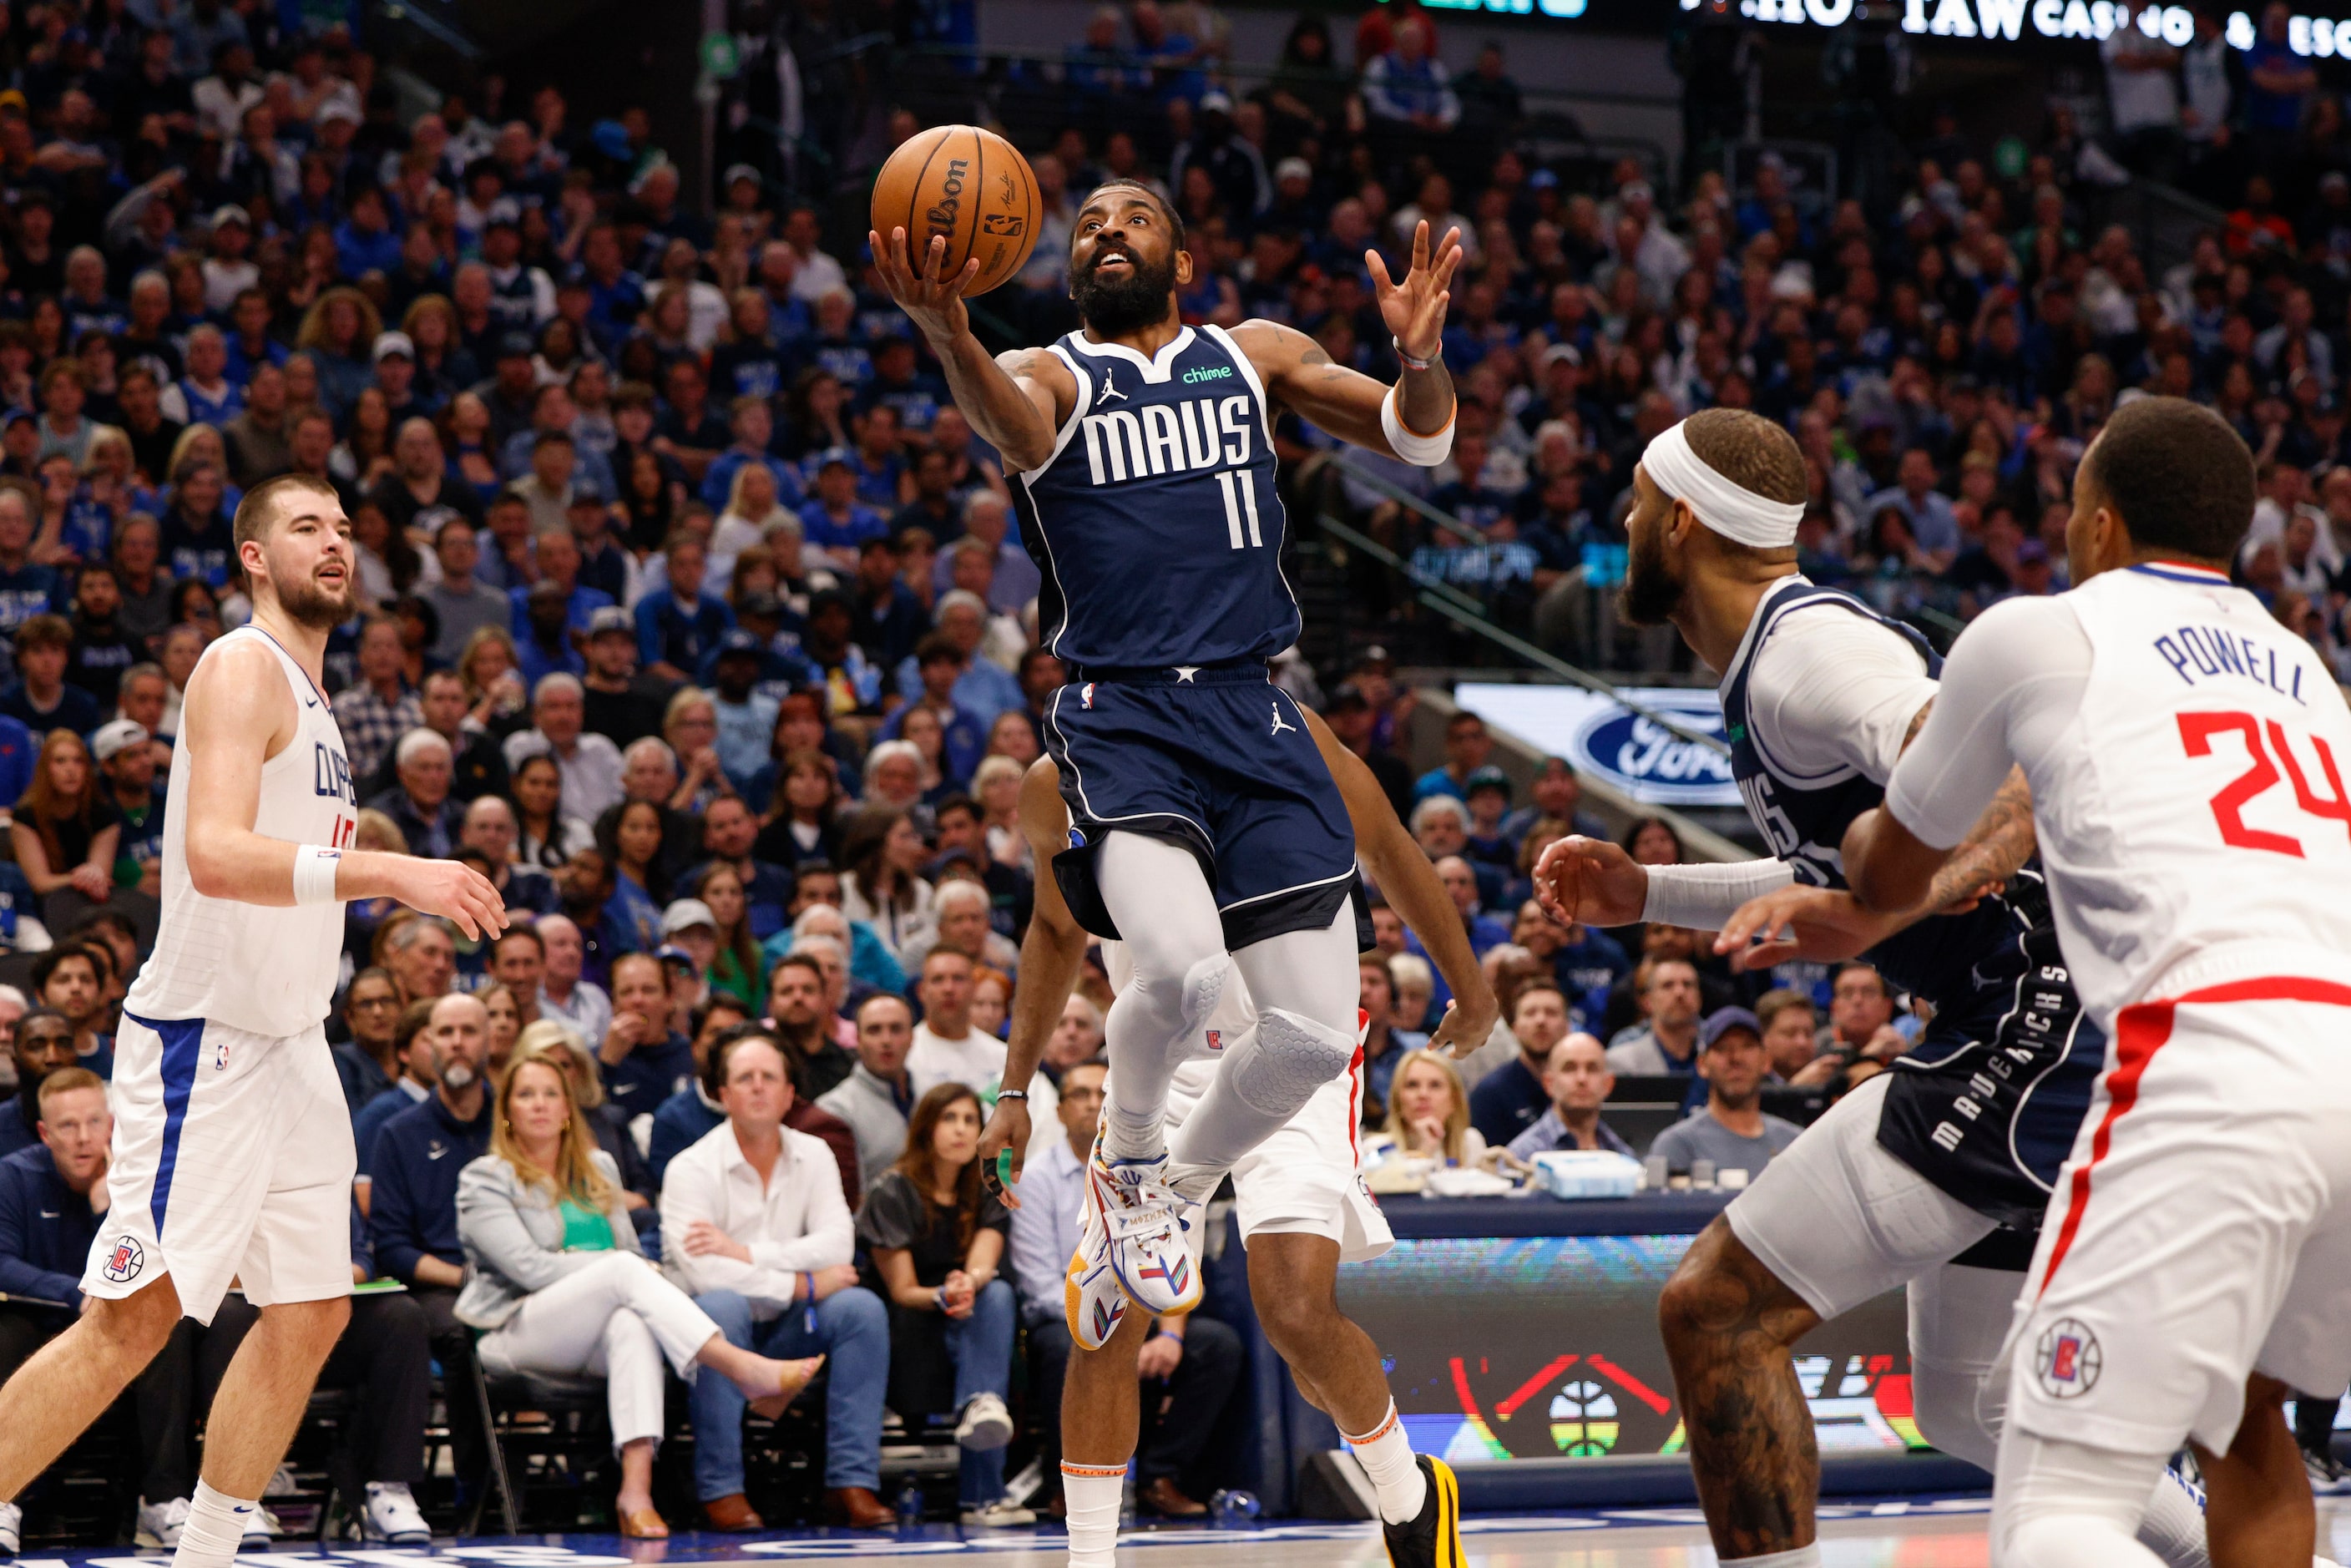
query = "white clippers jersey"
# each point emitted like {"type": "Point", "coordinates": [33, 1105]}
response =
{"type": "Point", "coordinates": [269, 971]}
{"type": "Point", "coordinates": [2193, 816]}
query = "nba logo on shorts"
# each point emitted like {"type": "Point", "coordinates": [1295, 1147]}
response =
{"type": "Point", "coordinates": [2068, 1359]}
{"type": "Point", "coordinates": [125, 1261]}
{"type": "Point", "coordinates": [1086, 694]}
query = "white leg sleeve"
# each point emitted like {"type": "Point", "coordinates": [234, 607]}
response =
{"type": "Point", "coordinates": [1958, 1320]}
{"type": "Point", "coordinates": [1303, 985]}
{"type": "Point", "coordinates": [1166, 913]}
{"type": "Point", "coordinates": [2068, 1505]}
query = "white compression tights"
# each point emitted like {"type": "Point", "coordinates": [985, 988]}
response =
{"type": "Point", "coordinates": [2068, 1505]}
{"type": "Point", "coordinates": [1303, 982]}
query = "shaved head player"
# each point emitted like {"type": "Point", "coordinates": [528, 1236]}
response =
{"type": "Point", "coordinates": [232, 1154]}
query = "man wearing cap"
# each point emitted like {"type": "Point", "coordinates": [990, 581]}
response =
{"type": "Point", "coordinates": [604, 566]}
{"type": "Point", "coordinates": [1819, 696]}
{"type": "Point", "coordinates": [1732, 1133]}
{"type": "Point", "coordinates": [522, 296]}
{"type": "Point", "coordinates": [747, 716]}
{"type": "Point", "coordinates": [509, 393]}
{"type": "Point", "coordinates": [128, 763]}
{"type": "Point", "coordinates": [622, 705]}
{"type": "Point", "coordinates": [834, 520]}
{"type": "Point", "coordinates": [1350, 716]}
{"type": "Point", "coordinates": [394, 356]}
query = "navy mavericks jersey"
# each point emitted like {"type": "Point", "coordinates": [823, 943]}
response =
{"type": "Point", "coordinates": [1987, 1104]}
{"type": "Point", "coordinates": [1155, 521]}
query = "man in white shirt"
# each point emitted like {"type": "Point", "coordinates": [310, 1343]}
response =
{"type": "Point", "coordinates": [562, 994]}
{"type": "Point", "coordinates": [591, 763]}
{"type": "Point", "coordinates": [948, 1049]}
{"type": "Point", "coordinates": [1197, 1360]}
{"type": "Point", "coordinates": [2142, 97]}
{"type": "Point", "coordinates": [755, 1227]}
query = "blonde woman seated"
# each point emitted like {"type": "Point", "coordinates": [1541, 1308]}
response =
{"type": "Point", "coordinates": [555, 1277]}
{"type": "Point", "coordinates": [1428, 1117]}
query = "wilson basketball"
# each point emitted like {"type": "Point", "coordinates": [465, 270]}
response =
{"type": "Point", "coordinates": [966, 185]}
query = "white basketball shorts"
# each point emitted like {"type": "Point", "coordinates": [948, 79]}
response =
{"type": "Point", "coordinates": [1302, 1181]}
{"type": "Point", "coordinates": [1840, 1221]}
{"type": "Point", "coordinates": [232, 1160]}
{"type": "Point", "coordinates": [2201, 1228]}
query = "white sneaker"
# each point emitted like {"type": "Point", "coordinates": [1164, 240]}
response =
{"type": "Point", "coordinates": [261, 1529]}
{"type": "Point", "coordinates": [393, 1517]}
{"type": "Point", "coordinates": [1136, 1217]}
{"type": "Point", "coordinates": [282, 1483]}
{"type": "Point", "coordinates": [998, 1515]}
{"type": "Point", "coordinates": [160, 1523]}
{"type": "Point", "coordinates": [986, 1425]}
{"type": "Point", "coordinates": [12, 1528]}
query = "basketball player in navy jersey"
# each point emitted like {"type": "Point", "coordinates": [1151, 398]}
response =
{"type": "Point", "coordinates": [232, 1155]}
{"type": "Point", "coordinates": [1206, 828]}
{"type": "Point", "coordinates": [1932, 1175]}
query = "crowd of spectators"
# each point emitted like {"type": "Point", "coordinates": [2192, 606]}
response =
{"type": "Point", "coordinates": [696, 619]}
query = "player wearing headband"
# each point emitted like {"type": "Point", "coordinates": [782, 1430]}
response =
{"type": "Point", "coordinates": [1931, 1175]}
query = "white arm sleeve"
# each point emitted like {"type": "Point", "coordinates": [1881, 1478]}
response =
{"type": "Point", "coordinates": [2011, 688]}
{"type": "Point", "coordinates": [1831, 690]}
{"type": "Point", "coordinates": [1703, 897]}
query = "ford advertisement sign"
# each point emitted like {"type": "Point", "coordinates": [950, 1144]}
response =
{"type": "Point", "coordinates": [1604, 739]}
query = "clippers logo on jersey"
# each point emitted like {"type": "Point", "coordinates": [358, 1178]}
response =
{"type": "Point", "coordinates": [2068, 1360]}
{"type": "Point", "coordinates": [1215, 1040]}
{"type": "Point", "coordinates": [125, 1261]}
{"type": "Point", "coordinates": [331, 774]}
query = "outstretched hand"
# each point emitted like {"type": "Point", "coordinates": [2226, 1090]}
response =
{"type": "Point", "coordinates": [935, 303]}
{"type": "Point", "coordinates": [1591, 881]}
{"type": "Point", "coordinates": [1414, 308]}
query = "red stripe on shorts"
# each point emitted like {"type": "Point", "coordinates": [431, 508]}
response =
{"type": "Point", "coordinates": [2139, 1032]}
{"type": "Point", "coordinates": [1354, 1107]}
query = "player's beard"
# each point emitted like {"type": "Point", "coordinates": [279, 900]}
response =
{"type": "Point", "coordinates": [309, 603]}
{"type": "Point", "coordinates": [1124, 302]}
{"type": "Point", "coordinates": [1651, 593]}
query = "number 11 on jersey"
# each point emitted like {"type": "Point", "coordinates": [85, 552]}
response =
{"type": "Point", "coordinates": [1240, 495]}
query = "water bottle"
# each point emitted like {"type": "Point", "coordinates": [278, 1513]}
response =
{"type": "Point", "coordinates": [1233, 1509]}
{"type": "Point", "coordinates": [910, 1502]}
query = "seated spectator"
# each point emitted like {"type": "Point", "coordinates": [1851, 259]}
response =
{"type": "Point", "coordinates": [755, 1229]}
{"type": "Point", "coordinates": [1583, 961]}
{"type": "Point", "coordinates": [878, 1095]}
{"type": "Point", "coordinates": [1668, 1041]}
{"type": "Point", "coordinates": [1428, 1115]}
{"type": "Point", "coordinates": [421, 806]}
{"type": "Point", "coordinates": [384, 1357]}
{"type": "Point", "coordinates": [416, 1069]}
{"type": "Point", "coordinates": [884, 854]}
{"type": "Point", "coordinates": [369, 1061]}
{"type": "Point", "coordinates": [42, 1043]}
{"type": "Point", "coordinates": [1512, 1097]}
{"type": "Point", "coordinates": [1467, 886]}
{"type": "Point", "coordinates": [935, 1247]}
{"type": "Point", "coordinates": [65, 827]}
{"type": "Point", "coordinates": [590, 765]}
{"type": "Point", "coordinates": [489, 829]}
{"type": "Point", "coordinates": [1468, 746]}
{"type": "Point", "coordinates": [563, 993]}
{"type": "Point", "coordinates": [1384, 1044]}
{"type": "Point", "coordinates": [420, 953]}
{"type": "Point", "coordinates": [961, 912]}
{"type": "Point", "coordinates": [645, 1060]}
{"type": "Point", "coordinates": [1732, 1133]}
{"type": "Point", "coordinates": [801, 1020]}
{"type": "Point", "coordinates": [1192, 1363]}
{"type": "Point", "coordinates": [41, 699]}
{"type": "Point", "coordinates": [1791, 1037]}
{"type": "Point", "coordinates": [1557, 795]}
{"type": "Point", "coordinates": [690, 1115]}
{"type": "Point", "coordinates": [47, 1226]}
{"type": "Point", "coordinates": [640, 1187]}
{"type": "Point", "coordinates": [74, 978]}
{"type": "Point", "coordinates": [947, 1049]}
{"type": "Point", "coordinates": [558, 1284]}
{"type": "Point", "coordinates": [1578, 1081]}
{"type": "Point", "coordinates": [1861, 1037]}
{"type": "Point", "coordinates": [412, 1209]}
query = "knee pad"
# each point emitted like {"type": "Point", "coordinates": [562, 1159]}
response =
{"type": "Point", "coordinates": [1203, 987]}
{"type": "Point", "coordinates": [1946, 1406]}
{"type": "Point", "coordinates": [1293, 1057]}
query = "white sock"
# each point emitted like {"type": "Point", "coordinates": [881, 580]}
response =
{"type": "Point", "coordinates": [1396, 1475]}
{"type": "Point", "coordinates": [215, 1526]}
{"type": "Point", "coordinates": [1092, 1494]}
{"type": "Point", "coordinates": [1802, 1557]}
{"type": "Point", "coordinates": [2173, 1526]}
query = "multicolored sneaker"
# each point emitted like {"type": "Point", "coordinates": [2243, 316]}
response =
{"type": "Point", "coordinates": [1092, 1302]}
{"type": "Point", "coordinates": [1135, 1219]}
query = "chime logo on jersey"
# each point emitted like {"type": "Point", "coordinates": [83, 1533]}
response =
{"type": "Point", "coordinates": [125, 1261]}
{"type": "Point", "coordinates": [2068, 1359]}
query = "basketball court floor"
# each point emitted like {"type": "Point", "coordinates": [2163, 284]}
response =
{"type": "Point", "coordinates": [1945, 1532]}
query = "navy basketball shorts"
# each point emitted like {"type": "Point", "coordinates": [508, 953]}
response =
{"type": "Point", "coordinates": [1221, 761]}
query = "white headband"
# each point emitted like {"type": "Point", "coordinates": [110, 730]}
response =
{"type": "Point", "coordinates": [1734, 511]}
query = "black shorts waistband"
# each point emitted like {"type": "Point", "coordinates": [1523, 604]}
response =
{"type": "Point", "coordinates": [1238, 673]}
